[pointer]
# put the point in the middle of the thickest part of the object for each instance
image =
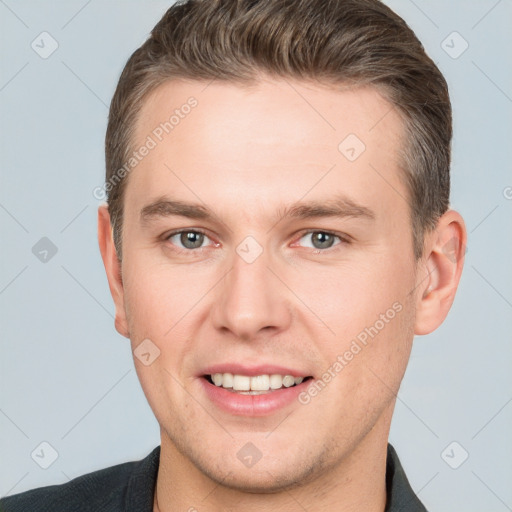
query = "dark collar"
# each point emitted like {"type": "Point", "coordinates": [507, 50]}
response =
{"type": "Point", "coordinates": [141, 487]}
{"type": "Point", "coordinates": [400, 496]}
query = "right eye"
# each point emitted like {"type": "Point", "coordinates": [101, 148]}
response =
{"type": "Point", "coordinates": [190, 239]}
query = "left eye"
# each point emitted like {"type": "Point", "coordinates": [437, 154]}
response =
{"type": "Point", "coordinates": [189, 239]}
{"type": "Point", "coordinates": [321, 239]}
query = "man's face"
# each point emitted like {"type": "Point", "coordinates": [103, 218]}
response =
{"type": "Point", "coordinates": [252, 291]}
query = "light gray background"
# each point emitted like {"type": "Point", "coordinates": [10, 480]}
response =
{"type": "Point", "coordinates": [67, 377]}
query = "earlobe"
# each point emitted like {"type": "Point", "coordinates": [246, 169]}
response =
{"type": "Point", "coordinates": [443, 261]}
{"type": "Point", "coordinates": [112, 268]}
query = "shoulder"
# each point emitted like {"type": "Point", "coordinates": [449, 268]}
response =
{"type": "Point", "coordinates": [105, 490]}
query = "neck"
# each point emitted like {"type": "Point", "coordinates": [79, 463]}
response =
{"type": "Point", "coordinates": [357, 482]}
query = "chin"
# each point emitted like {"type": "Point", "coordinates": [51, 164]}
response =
{"type": "Point", "coordinates": [258, 482]}
{"type": "Point", "coordinates": [267, 476]}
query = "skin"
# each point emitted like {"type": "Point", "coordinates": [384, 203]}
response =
{"type": "Point", "coordinates": [246, 153]}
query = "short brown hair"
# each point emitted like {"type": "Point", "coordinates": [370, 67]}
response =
{"type": "Point", "coordinates": [330, 41]}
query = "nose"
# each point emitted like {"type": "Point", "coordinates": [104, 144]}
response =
{"type": "Point", "coordinates": [251, 299]}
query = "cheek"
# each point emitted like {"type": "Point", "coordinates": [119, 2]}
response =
{"type": "Point", "coordinates": [163, 304]}
{"type": "Point", "coordinates": [352, 299]}
{"type": "Point", "coordinates": [158, 295]}
{"type": "Point", "coordinates": [369, 368]}
{"type": "Point", "coordinates": [371, 312]}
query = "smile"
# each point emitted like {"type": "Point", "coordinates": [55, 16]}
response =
{"type": "Point", "coordinates": [253, 385]}
{"type": "Point", "coordinates": [257, 394]}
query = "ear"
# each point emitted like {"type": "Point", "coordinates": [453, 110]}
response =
{"type": "Point", "coordinates": [112, 268]}
{"type": "Point", "coordinates": [440, 271]}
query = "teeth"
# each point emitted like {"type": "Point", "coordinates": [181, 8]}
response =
{"type": "Point", "coordinates": [227, 380]}
{"type": "Point", "coordinates": [241, 383]}
{"type": "Point", "coordinates": [217, 379]}
{"type": "Point", "coordinates": [260, 383]}
{"type": "Point", "coordinates": [288, 381]}
{"type": "Point", "coordinates": [276, 381]}
{"type": "Point", "coordinates": [257, 383]}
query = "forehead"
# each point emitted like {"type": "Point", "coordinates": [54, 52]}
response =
{"type": "Point", "coordinates": [277, 136]}
{"type": "Point", "coordinates": [269, 108]}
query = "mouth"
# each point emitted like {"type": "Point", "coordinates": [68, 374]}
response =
{"type": "Point", "coordinates": [252, 390]}
{"type": "Point", "coordinates": [254, 384]}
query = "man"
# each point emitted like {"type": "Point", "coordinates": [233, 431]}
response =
{"type": "Point", "coordinates": [277, 231]}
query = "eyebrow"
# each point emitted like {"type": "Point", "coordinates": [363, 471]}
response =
{"type": "Point", "coordinates": [339, 206]}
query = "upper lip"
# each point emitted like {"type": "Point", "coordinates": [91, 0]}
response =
{"type": "Point", "coordinates": [252, 370]}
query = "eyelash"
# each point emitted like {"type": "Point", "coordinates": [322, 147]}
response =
{"type": "Point", "coordinates": [344, 240]}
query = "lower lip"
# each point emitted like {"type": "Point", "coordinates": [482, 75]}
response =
{"type": "Point", "coordinates": [252, 405]}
